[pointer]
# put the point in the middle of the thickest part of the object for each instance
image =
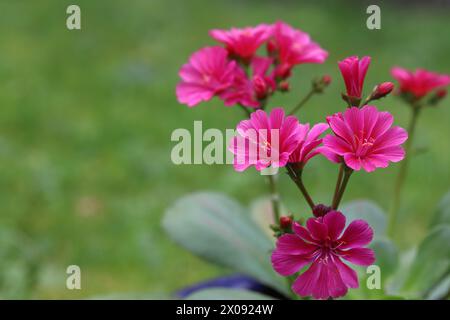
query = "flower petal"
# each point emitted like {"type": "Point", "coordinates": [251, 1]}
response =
{"type": "Point", "coordinates": [288, 264]}
{"type": "Point", "coordinates": [359, 256]}
{"type": "Point", "coordinates": [317, 229]}
{"type": "Point", "coordinates": [293, 244]}
{"type": "Point", "coordinates": [335, 222]}
{"type": "Point", "coordinates": [357, 234]}
{"type": "Point", "coordinates": [348, 275]}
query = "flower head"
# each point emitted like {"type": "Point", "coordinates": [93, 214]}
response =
{"type": "Point", "coordinates": [354, 71]}
{"type": "Point", "coordinates": [291, 47]}
{"type": "Point", "coordinates": [420, 82]}
{"type": "Point", "coordinates": [265, 140]}
{"type": "Point", "coordinates": [322, 245]}
{"type": "Point", "coordinates": [208, 73]}
{"type": "Point", "coordinates": [364, 138]}
{"type": "Point", "coordinates": [309, 141]}
{"type": "Point", "coordinates": [249, 91]}
{"type": "Point", "coordinates": [244, 42]}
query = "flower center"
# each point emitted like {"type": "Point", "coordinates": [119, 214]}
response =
{"type": "Point", "coordinates": [206, 78]}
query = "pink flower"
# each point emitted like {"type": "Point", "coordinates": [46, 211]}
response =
{"type": "Point", "coordinates": [242, 42]}
{"type": "Point", "coordinates": [354, 71]}
{"type": "Point", "coordinates": [208, 73]}
{"type": "Point", "coordinates": [364, 138]}
{"type": "Point", "coordinates": [291, 47]}
{"type": "Point", "coordinates": [420, 82]}
{"type": "Point", "coordinates": [323, 244]}
{"type": "Point", "coordinates": [265, 140]}
{"type": "Point", "coordinates": [309, 142]}
{"type": "Point", "coordinates": [249, 92]}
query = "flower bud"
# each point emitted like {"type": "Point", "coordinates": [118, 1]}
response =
{"type": "Point", "coordinates": [260, 87]}
{"type": "Point", "coordinates": [284, 86]}
{"type": "Point", "coordinates": [282, 71]}
{"type": "Point", "coordinates": [326, 79]}
{"type": "Point", "coordinates": [271, 47]}
{"type": "Point", "coordinates": [437, 97]}
{"type": "Point", "coordinates": [320, 210]}
{"type": "Point", "coordinates": [285, 222]}
{"type": "Point", "coordinates": [381, 90]}
{"type": "Point", "coordinates": [442, 93]}
{"type": "Point", "coordinates": [320, 84]}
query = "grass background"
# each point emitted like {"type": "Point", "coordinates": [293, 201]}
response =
{"type": "Point", "coordinates": [86, 118]}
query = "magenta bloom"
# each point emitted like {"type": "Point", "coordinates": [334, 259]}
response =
{"type": "Point", "coordinates": [265, 140]}
{"type": "Point", "coordinates": [323, 244]}
{"type": "Point", "coordinates": [365, 139]}
{"type": "Point", "coordinates": [310, 140]}
{"type": "Point", "coordinates": [249, 92]}
{"type": "Point", "coordinates": [420, 82]}
{"type": "Point", "coordinates": [291, 47]}
{"type": "Point", "coordinates": [354, 72]}
{"type": "Point", "coordinates": [208, 73]}
{"type": "Point", "coordinates": [242, 42]}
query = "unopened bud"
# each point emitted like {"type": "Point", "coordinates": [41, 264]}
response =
{"type": "Point", "coordinates": [260, 87]}
{"type": "Point", "coordinates": [442, 93]}
{"type": "Point", "coordinates": [285, 222]}
{"type": "Point", "coordinates": [320, 84]}
{"type": "Point", "coordinates": [284, 86]}
{"type": "Point", "coordinates": [282, 71]}
{"type": "Point", "coordinates": [326, 79]}
{"type": "Point", "coordinates": [382, 90]}
{"type": "Point", "coordinates": [437, 97]}
{"type": "Point", "coordinates": [320, 210]}
{"type": "Point", "coordinates": [271, 47]}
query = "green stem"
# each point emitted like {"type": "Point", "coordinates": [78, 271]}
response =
{"type": "Point", "coordinates": [248, 112]}
{"type": "Point", "coordinates": [399, 182]}
{"type": "Point", "coordinates": [303, 101]}
{"type": "Point", "coordinates": [347, 173]}
{"type": "Point", "coordinates": [338, 182]}
{"type": "Point", "coordinates": [297, 178]}
{"type": "Point", "coordinates": [274, 198]}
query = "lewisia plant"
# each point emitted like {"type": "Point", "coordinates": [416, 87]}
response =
{"type": "Point", "coordinates": [245, 70]}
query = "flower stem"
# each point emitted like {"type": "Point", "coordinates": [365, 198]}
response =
{"type": "Point", "coordinates": [274, 198]}
{"type": "Point", "coordinates": [338, 182]}
{"type": "Point", "coordinates": [248, 112]}
{"type": "Point", "coordinates": [303, 101]}
{"type": "Point", "coordinates": [296, 176]}
{"type": "Point", "coordinates": [399, 182]}
{"type": "Point", "coordinates": [347, 173]}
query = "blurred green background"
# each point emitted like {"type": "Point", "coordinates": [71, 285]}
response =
{"type": "Point", "coordinates": [86, 118]}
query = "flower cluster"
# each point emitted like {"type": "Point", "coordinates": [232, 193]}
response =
{"type": "Point", "coordinates": [359, 138]}
{"type": "Point", "coordinates": [237, 74]}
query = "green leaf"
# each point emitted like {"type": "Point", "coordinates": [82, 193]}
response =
{"type": "Point", "coordinates": [386, 257]}
{"type": "Point", "coordinates": [442, 213]}
{"type": "Point", "coordinates": [431, 264]}
{"type": "Point", "coordinates": [366, 210]}
{"type": "Point", "coordinates": [441, 290]}
{"type": "Point", "coordinates": [227, 294]}
{"type": "Point", "coordinates": [218, 229]}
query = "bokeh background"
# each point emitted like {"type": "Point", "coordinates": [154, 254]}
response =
{"type": "Point", "coordinates": [86, 118]}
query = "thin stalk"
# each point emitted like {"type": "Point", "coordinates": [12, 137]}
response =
{"type": "Point", "coordinates": [303, 101]}
{"type": "Point", "coordinates": [297, 178]}
{"type": "Point", "coordinates": [248, 112]}
{"type": "Point", "coordinates": [400, 181]}
{"type": "Point", "coordinates": [347, 173]}
{"type": "Point", "coordinates": [274, 198]}
{"type": "Point", "coordinates": [338, 182]}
